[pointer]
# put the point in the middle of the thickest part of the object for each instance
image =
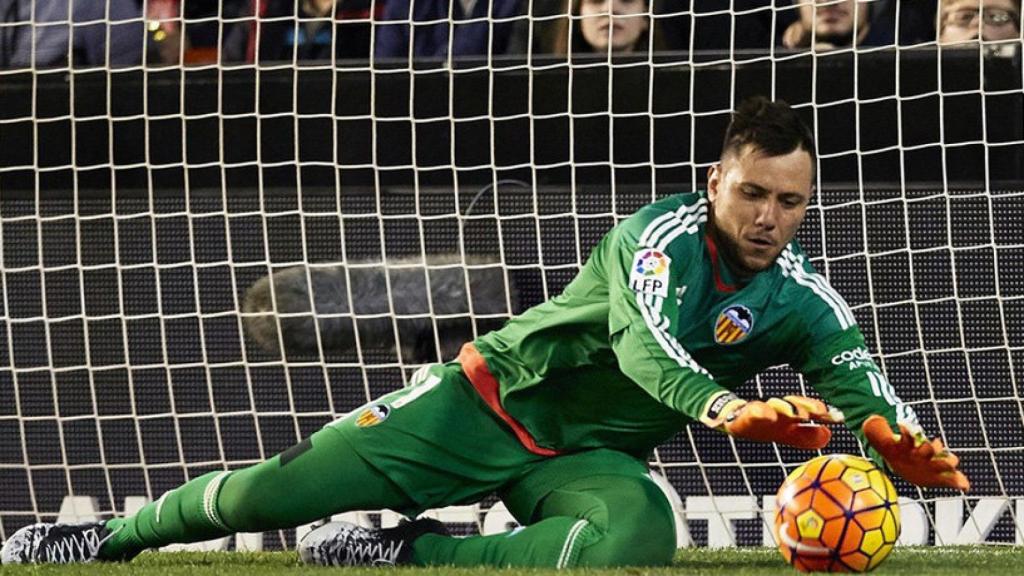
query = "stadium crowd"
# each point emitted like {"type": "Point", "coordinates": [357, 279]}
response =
{"type": "Point", "coordinates": [42, 33]}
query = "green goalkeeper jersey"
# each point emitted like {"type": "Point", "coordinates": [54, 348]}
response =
{"type": "Point", "coordinates": [654, 330]}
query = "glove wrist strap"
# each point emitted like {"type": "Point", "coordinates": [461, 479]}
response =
{"type": "Point", "coordinates": [720, 408]}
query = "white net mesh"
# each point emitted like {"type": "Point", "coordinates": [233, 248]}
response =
{"type": "Point", "coordinates": [142, 204]}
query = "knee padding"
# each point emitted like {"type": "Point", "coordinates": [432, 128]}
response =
{"type": "Point", "coordinates": [639, 529]}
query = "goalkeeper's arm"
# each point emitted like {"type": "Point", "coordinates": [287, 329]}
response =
{"type": "Point", "coordinates": [643, 323]}
{"type": "Point", "coordinates": [844, 373]}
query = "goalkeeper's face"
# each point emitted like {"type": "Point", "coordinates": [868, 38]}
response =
{"type": "Point", "coordinates": [757, 204]}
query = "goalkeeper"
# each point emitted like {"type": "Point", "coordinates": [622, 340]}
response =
{"type": "Point", "coordinates": [557, 411]}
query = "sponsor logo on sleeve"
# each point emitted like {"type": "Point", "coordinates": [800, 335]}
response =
{"type": "Point", "coordinates": [650, 272]}
{"type": "Point", "coordinates": [733, 324]}
{"type": "Point", "coordinates": [854, 359]}
{"type": "Point", "coordinates": [373, 415]}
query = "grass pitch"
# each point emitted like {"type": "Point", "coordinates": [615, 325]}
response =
{"type": "Point", "coordinates": [977, 560]}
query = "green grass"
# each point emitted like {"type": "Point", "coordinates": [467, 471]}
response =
{"type": "Point", "coordinates": [977, 560]}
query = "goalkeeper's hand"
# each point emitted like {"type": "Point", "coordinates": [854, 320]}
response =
{"type": "Point", "coordinates": [911, 455]}
{"type": "Point", "coordinates": [792, 420]}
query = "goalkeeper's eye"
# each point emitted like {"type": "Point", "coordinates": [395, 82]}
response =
{"type": "Point", "coordinates": [752, 192]}
{"type": "Point", "coordinates": [792, 202]}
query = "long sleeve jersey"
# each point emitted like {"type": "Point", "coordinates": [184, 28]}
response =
{"type": "Point", "coordinates": [654, 328]}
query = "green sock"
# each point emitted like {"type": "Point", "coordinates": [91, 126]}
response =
{"type": "Point", "coordinates": [186, 514]}
{"type": "Point", "coordinates": [553, 543]}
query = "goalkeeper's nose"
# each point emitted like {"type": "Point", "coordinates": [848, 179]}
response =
{"type": "Point", "coordinates": [767, 215]}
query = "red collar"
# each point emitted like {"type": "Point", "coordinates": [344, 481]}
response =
{"type": "Point", "coordinates": [715, 266]}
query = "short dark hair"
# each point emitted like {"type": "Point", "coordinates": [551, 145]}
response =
{"type": "Point", "coordinates": [771, 127]}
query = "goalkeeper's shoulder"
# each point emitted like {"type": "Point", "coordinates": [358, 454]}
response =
{"type": "Point", "coordinates": [660, 223]}
{"type": "Point", "coordinates": [809, 296]}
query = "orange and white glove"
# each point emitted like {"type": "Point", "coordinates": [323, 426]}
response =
{"type": "Point", "coordinates": [791, 420]}
{"type": "Point", "coordinates": [911, 455]}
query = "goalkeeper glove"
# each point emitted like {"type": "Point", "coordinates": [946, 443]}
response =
{"type": "Point", "coordinates": [911, 455]}
{"type": "Point", "coordinates": [791, 420]}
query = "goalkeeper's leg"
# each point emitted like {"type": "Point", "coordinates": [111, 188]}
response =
{"type": "Point", "coordinates": [597, 508]}
{"type": "Point", "coordinates": [318, 477]}
{"type": "Point", "coordinates": [432, 444]}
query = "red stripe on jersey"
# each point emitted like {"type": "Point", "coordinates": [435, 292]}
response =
{"type": "Point", "coordinates": [713, 250]}
{"type": "Point", "coordinates": [475, 368]}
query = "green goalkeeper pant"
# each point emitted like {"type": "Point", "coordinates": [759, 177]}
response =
{"type": "Point", "coordinates": [431, 445]}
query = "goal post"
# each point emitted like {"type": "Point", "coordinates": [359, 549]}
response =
{"type": "Point", "coordinates": [205, 262]}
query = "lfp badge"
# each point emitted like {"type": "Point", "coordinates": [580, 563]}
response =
{"type": "Point", "coordinates": [650, 272]}
{"type": "Point", "coordinates": [733, 324]}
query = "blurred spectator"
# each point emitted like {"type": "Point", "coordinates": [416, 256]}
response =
{"type": "Point", "coordinates": [163, 21]}
{"type": "Point", "coordinates": [535, 31]}
{"type": "Point", "coordinates": [84, 37]}
{"type": "Point", "coordinates": [286, 30]}
{"type": "Point", "coordinates": [737, 25]}
{"type": "Point", "coordinates": [832, 24]}
{"type": "Point", "coordinates": [443, 27]}
{"type": "Point", "coordinates": [717, 24]}
{"type": "Point", "coordinates": [204, 24]}
{"type": "Point", "coordinates": [596, 25]}
{"type": "Point", "coordinates": [828, 24]}
{"type": "Point", "coordinates": [962, 21]}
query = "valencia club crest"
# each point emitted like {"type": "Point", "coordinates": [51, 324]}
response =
{"type": "Point", "coordinates": [373, 415]}
{"type": "Point", "coordinates": [733, 324]}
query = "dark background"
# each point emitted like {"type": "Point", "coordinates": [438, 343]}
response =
{"type": "Point", "coordinates": [907, 115]}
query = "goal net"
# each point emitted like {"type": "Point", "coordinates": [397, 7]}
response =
{"type": "Point", "coordinates": [206, 261]}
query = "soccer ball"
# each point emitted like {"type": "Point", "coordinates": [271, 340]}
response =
{"type": "Point", "coordinates": [836, 513]}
